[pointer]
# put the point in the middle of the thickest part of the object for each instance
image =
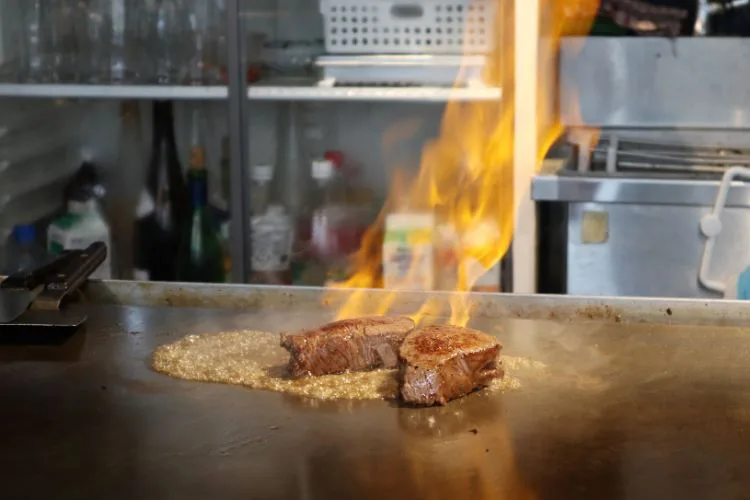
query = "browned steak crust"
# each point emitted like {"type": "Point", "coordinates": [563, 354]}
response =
{"type": "Point", "coordinates": [347, 345]}
{"type": "Point", "coordinates": [441, 363]}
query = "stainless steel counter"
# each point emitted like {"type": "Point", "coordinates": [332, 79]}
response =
{"type": "Point", "coordinates": [574, 188]}
{"type": "Point", "coordinates": [640, 399]}
{"type": "Point", "coordinates": [628, 236]}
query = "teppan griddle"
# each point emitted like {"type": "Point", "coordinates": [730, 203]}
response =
{"type": "Point", "coordinates": [640, 399]}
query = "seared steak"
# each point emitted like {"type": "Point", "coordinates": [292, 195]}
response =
{"type": "Point", "coordinates": [347, 345]}
{"type": "Point", "coordinates": [441, 363]}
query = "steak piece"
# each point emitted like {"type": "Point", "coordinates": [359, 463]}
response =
{"type": "Point", "coordinates": [347, 345]}
{"type": "Point", "coordinates": [441, 363]}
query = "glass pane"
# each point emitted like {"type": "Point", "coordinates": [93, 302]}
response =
{"type": "Point", "coordinates": [114, 128]}
{"type": "Point", "coordinates": [349, 103]}
{"type": "Point", "coordinates": [175, 42]}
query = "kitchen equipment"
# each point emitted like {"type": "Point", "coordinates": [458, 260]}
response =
{"type": "Point", "coordinates": [19, 290]}
{"type": "Point", "coordinates": [409, 27]}
{"type": "Point", "coordinates": [652, 126]}
{"type": "Point", "coordinates": [708, 9]}
{"type": "Point", "coordinates": [46, 287]}
{"type": "Point", "coordinates": [614, 403]}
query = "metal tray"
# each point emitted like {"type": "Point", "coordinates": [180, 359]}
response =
{"type": "Point", "coordinates": [641, 398]}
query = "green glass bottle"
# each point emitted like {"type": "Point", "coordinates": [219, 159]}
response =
{"type": "Point", "coordinates": [200, 258]}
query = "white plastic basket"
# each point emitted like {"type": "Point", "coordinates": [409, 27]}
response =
{"type": "Point", "coordinates": [409, 26]}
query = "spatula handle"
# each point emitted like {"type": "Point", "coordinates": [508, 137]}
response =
{"type": "Point", "coordinates": [30, 279]}
{"type": "Point", "coordinates": [79, 269]}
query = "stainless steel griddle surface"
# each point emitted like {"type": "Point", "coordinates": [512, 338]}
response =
{"type": "Point", "coordinates": [622, 411]}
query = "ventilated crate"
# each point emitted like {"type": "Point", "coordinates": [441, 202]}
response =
{"type": "Point", "coordinates": [419, 27]}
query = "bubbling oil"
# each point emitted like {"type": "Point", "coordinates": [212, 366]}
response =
{"type": "Point", "coordinates": [255, 360]}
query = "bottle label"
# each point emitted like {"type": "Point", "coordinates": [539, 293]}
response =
{"type": "Point", "coordinates": [197, 157]}
{"type": "Point", "coordinates": [408, 253]}
{"type": "Point", "coordinates": [272, 244]}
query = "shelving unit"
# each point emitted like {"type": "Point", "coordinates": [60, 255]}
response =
{"type": "Point", "coordinates": [237, 94]}
{"type": "Point", "coordinates": [271, 91]}
{"type": "Point", "coordinates": [116, 92]}
{"type": "Point", "coordinates": [291, 92]}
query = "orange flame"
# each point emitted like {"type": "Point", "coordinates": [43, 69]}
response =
{"type": "Point", "coordinates": [466, 175]}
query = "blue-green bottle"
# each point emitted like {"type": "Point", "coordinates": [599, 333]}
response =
{"type": "Point", "coordinates": [200, 258]}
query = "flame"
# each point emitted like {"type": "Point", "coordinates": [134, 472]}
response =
{"type": "Point", "coordinates": [466, 175]}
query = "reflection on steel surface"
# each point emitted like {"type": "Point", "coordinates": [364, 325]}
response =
{"type": "Point", "coordinates": [653, 82]}
{"type": "Point", "coordinates": [623, 410]}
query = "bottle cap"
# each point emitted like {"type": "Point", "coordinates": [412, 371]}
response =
{"type": "Point", "coordinates": [24, 233]}
{"type": "Point", "coordinates": [337, 157]}
{"type": "Point", "coordinates": [262, 173]}
{"type": "Point", "coordinates": [322, 169]}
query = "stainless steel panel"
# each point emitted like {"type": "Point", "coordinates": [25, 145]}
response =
{"type": "Point", "coordinates": [655, 82]}
{"type": "Point", "coordinates": [621, 410]}
{"type": "Point", "coordinates": [635, 190]}
{"type": "Point", "coordinates": [653, 250]}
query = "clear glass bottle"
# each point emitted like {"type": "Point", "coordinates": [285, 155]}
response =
{"type": "Point", "coordinates": [198, 42]}
{"type": "Point", "coordinates": [36, 61]}
{"type": "Point", "coordinates": [141, 39]}
{"type": "Point", "coordinates": [217, 66]}
{"type": "Point", "coordinates": [118, 61]}
{"type": "Point", "coordinates": [169, 41]}
{"type": "Point", "coordinates": [96, 54]}
{"type": "Point", "coordinates": [65, 42]}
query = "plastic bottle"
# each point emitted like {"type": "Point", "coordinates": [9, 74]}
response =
{"type": "Point", "coordinates": [22, 253]}
{"type": "Point", "coordinates": [324, 207]}
{"type": "Point", "coordinates": [324, 230]}
{"type": "Point", "coordinates": [260, 190]}
{"type": "Point", "coordinates": [272, 239]}
{"type": "Point", "coordinates": [80, 227]}
{"type": "Point", "coordinates": [358, 201]}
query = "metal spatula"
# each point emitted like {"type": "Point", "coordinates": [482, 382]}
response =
{"type": "Point", "coordinates": [45, 321]}
{"type": "Point", "coordinates": [19, 290]}
{"type": "Point", "coordinates": [46, 286]}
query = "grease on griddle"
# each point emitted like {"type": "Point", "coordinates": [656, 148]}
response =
{"type": "Point", "coordinates": [254, 359]}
